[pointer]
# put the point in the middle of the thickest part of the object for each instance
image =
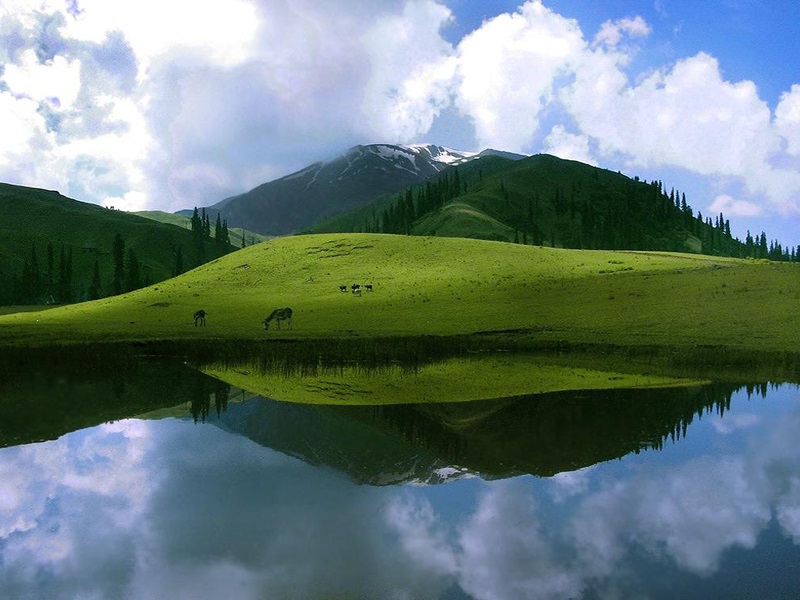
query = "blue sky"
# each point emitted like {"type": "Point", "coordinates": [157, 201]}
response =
{"type": "Point", "coordinates": [172, 103]}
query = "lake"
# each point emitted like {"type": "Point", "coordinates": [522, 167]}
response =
{"type": "Point", "coordinates": [141, 478]}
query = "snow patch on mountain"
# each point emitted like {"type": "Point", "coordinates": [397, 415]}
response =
{"type": "Point", "coordinates": [430, 153]}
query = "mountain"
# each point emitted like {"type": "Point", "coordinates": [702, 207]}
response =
{"type": "Point", "coordinates": [51, 244]}
{"type": "Point", "coordinates": [362, 175]}
{"type": "Point", "coordinates": [545, 200]}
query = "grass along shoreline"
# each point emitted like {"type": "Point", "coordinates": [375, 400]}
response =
{"type": "Point", "coordinates": [447, 287]}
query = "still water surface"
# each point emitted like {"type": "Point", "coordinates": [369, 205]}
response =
{"type": "Point", "coordinates": [682, 493]}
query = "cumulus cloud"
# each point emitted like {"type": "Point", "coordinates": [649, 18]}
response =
{"type": "Point", "coordinates": [559, 142]}
{"type": "Point", "coordinates": [508, 70]}
{"type": "Point", "coordinates": [246, 92]}
{"type": "Point", "coordinates": [411, 69]}
{"type": "Point", "coordinates": [676, 515]}
{"type": "Point", "coordinates": [612, 32]}
{"type": "Point", "coordinates": [506, 552]}
{"type": "Point", "coordinates": [730, 206]}
{"type": "Point", "coordinates": [687, 116]}
{"type": "Point", "coordinates": [787, 119]}
{"type": "Point", "coordinates": [166, 508]}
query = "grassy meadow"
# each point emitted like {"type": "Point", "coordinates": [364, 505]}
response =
{"type": "Point", "coordinates": [446, 286]}
{"type": "Point", "coordinates": [459, 379]}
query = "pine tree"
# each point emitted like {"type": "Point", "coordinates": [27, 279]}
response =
{"type": "Point", "coordinates": [132, 276]}
{"type": "Point", "coordinates": [118, 252]}
{"type": "Point", "coordinates": [65, 277]}
{"type": "Point", "coordinates": [196, 223]}
{"type": "Point", "coordinates": [226, 237]}
{"type": "Point", "coordinates": [96, 285]}
{"type": "Point", "coordinates": [206, 225]}
{"type": "Point", "coordinates": [178, 262]}
{"type": "Point", "coordinates": [50, 267]}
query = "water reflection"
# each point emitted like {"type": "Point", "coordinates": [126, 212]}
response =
{"type": "Point", "coordinates": [539, 435]}
{"type": "Point", "coordinates": [145, 509]}
{"type": "Point", "coordinates": [686, 492]}
{"type": "Point", "coordinates": [47, 392]}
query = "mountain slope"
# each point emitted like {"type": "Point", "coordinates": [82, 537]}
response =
{"type": "Point", "coordinates": [364, 174]}
{"type": "Point", "coordinates": [49, 245]}
{"type": "Point", "coordinates": [544, 200]}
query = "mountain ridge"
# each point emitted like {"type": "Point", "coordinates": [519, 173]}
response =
{"type": "Point", "coordinates": [363, 174]}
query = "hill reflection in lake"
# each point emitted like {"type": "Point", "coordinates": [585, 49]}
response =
{"type": "Point", "coordinates": [681, 492]}
{"type": "Point", "coordinates": [539, 435]}
{"type": "Point", "coordinates": [176, 508]}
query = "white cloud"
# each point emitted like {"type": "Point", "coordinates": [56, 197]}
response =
{"type": "Point", "coordinates": [787, 119]}
{"type": "Point", "coordinates": [506, 552]}
{"type": "Point", "coordinates": [612, 32]}
{"type": "Point", "coordinates": [687, 116]}
{"type": "Point", "coordinates": [570, 483]}
{"type": "Point", "coordinates": [421, 535]}
{"type": "Point", "coordinates": [569, 146]}
{"type": "Point", "coordinates": [247, 91]}
{"type": "Point", "coordinates": [733, 423]}
{"type": "Point", "coordinates": [788, 510]}
{"type": "Point", "coordinates": [221, 33]}
{"type": "Point", "coordinates": [508, 70]}
{"type": "Point", "coordinates": [411, 71]}
{"type": "Point", "coordinates": [734, 208]}
{"type": "Point", "coordinates": [56, 82]}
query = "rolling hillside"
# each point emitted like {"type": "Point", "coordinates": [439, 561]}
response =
{"type": "Point", "coordinates": [50, 246]}
{"type": "Point", "coordinates": [544, 200]}
{"type": "Point", "coordinates": [446, 286]}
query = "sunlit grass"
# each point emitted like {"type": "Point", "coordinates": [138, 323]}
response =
{"type": "Point", "coordinates": [454, 380]}
{"type": "Point", "coordinates": [442, 286]}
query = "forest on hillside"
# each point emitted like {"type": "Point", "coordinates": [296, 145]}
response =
{"type": "Point", "coordinates": [584, 208]}
{"type": "Point", "coordinates": [53, 272]}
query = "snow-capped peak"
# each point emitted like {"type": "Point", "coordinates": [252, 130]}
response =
{"type": "Point", "coordinates": [428, 152]}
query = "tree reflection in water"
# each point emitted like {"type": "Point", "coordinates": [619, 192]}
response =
{"type": "Point", "coordinates": [538, 435]}
{"type": "Point", "coordinates": [152, 509]}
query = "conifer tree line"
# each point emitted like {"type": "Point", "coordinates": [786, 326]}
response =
{"type": "Point", "coordinates": [47, 275]}
{"type": "Point", "coordinates": [44, 278]}
{"type": "Point", "coordinates": [201, 234]}
{"type": "Point", "coordinates": [618, 214]}
{"type": "Point", "coordinates": [416, 203]}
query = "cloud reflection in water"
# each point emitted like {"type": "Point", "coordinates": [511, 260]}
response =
{"type": "Point", "coordinates": [144, 509]}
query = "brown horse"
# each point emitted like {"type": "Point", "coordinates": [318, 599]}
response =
{"type": "Point", "coordinates": [278, 315]}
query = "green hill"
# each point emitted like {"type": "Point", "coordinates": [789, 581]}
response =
{"type": "Point", "coordinates": [446, 286]}
{"type": "Point", "coordinates": [51, 245]}
{"type": "Point", "coordinates": [236, 234]}
{"type": "Point", "coordinates": [544, 200]}
{"type": "Point", "coordinates": [370, 217]}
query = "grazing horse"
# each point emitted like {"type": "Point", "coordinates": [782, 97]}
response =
{"type": "Point", "coordinates": [200, 318]}
{"type": "Point", "coordinates": [278, 315]}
